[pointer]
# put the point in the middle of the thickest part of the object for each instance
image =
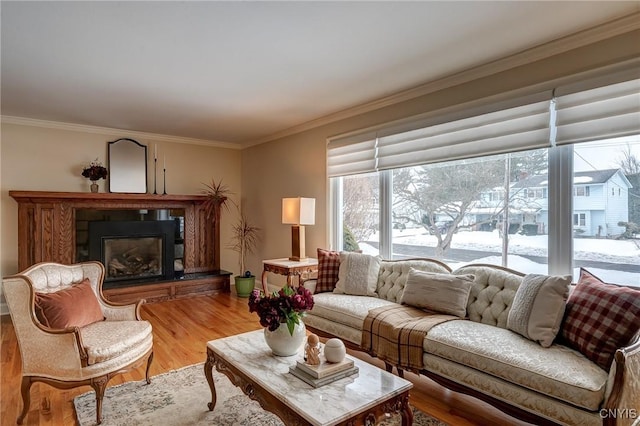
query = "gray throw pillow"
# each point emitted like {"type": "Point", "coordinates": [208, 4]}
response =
{"type": "Point", "coordinates": [443, 293]}
{"type": "Point", "coordinates": [538, 307]}
{"type": "Point", "coordinates": [358, 274]}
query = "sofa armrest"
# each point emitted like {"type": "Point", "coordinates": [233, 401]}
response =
{"type": "Point", "coordinates": [623, 405]}
{"type": "Point", "coordinates": [121, 311]}
{"type": "Point", "coordinates": [310, 285]}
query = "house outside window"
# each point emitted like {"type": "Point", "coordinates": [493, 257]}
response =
{"type": "Point", "coordinates": [507, 209]}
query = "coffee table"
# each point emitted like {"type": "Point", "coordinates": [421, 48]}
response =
{"type": "Point", "coordinates": [355, 400]}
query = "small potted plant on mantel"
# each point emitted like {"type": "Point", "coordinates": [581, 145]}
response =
{"type": "Point", "coordinates": [217, 196]}
{"type": "Point", "coordinates": [245, 236]}
{"type": "Point", "coordinates": [95, 171]}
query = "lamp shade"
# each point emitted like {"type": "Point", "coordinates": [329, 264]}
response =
{"type": "Point", "coordinates": [299, 211]}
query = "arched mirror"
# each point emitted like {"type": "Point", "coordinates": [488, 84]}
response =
{"type": "Point", "coordinates": [127, 166]}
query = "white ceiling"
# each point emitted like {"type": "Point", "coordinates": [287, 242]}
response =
{"type": "Point", "coordinates": [239, 72]}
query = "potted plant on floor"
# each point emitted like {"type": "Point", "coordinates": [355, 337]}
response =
{"type": "Point", "coordinates": [244, 235]}
{"type": "Point", "coordinates": [244, 241]}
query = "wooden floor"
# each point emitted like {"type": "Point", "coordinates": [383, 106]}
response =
{"type": "Point", "coordinates": [181, 329]}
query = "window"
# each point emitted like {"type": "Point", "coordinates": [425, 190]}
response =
{"type": "Point", "coordinates": [581, 191]}
{"type": "Point", "coordinates": [492, 187]}
{"type": "Point", "coordinates": [360, 212]}
{"type": "Point", "coordinates": [448, 216]}
{"type": "Point", "coordinates": [601, 243]}
{"type": "Point", "coordinates": [537, 193]}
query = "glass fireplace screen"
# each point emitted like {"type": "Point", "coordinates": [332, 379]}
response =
{"type": "Point", "coordinates": [130, 258]}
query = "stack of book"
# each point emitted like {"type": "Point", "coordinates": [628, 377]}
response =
{"type": "Point", "coordinates": [323, 373]}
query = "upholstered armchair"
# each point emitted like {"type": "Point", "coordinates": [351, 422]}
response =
{"type": "Point", "coordinates": [50, 306]}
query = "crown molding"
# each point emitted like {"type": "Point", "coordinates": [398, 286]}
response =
{"type": "Point", "coordinates": [573, 41]}
{"type": "Point", "coordinates": [22, 121]}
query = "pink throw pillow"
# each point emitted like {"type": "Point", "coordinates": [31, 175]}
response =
{"type": "Point", "coordinates": [75, 306]}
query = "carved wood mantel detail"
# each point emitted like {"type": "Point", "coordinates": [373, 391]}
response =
{"type": "Point", "coordinates": [46, 226]}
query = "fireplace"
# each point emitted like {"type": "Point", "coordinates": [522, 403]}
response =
{"type": "Point", "coordinates": [133, 251]}
{"type": "Point", "coordinates": [54, 227]}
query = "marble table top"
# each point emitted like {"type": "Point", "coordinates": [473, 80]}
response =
{"type": "Point", "coordinates": [327, 405]}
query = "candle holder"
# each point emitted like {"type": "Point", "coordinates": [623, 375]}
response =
{"type": "Point", "coordinates": [164, 181]}
{"type": "Point", "coordinates": [155, 175]}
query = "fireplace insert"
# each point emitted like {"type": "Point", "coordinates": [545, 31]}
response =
{"type": "Point", "coordinates": [133, 251]}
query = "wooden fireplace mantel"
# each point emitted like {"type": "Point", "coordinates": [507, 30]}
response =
{"type": "Point", "coordinates": [46, 233]}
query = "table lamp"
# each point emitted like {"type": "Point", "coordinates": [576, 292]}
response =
{"type": "Point", "coordinates": [298, 212]}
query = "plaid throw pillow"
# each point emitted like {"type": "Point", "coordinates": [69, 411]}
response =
{"type": "Point", "coordinates": [328, 268]}
{"type": "Point", "coordinates": [600, 318]}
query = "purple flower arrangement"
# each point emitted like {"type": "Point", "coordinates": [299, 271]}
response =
{"type": "Point", "coordinates": [284, 306]}
{"type": "Point", "coordinates": [95, 171]}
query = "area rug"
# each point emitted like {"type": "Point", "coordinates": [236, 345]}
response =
{"type": "Point", "coordinates": [180, 397]}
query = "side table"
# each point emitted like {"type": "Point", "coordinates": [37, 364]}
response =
{"type": "Point", "coordinates": [289, 268]}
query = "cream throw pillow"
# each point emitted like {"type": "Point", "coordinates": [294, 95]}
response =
{"type": "Point", "coordinates": [443, 293]}
{"type": "Point", "coordinates": [358, 274]}
{"type": "Point", "coordinates": [538, 307]}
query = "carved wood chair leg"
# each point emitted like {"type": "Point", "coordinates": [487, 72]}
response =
{"type": "Point", "coordinates": [25, 390]}
{"type": "Point", "coordinates": [99, 384]}
{"type": "Point", "coordinates": [148, 368]}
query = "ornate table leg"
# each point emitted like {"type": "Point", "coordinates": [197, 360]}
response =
{"type": "Point", "coordinates": [208, 372]}
{"type": "Point", "coordinates": [265, 287]}
{"type": "Point", "coordinates": [406, 413]}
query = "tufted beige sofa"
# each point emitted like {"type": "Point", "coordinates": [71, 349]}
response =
{"type": "Point", "coordinates": [481, 357]}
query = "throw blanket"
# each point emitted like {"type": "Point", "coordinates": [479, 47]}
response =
{"type": "Point", "coordinates": [396, 334]}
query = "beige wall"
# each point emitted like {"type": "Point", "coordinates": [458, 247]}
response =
{"type": "Point", "coordinates": [33, 158]}
{"type": "Point", "coordinates": [296, 165]}
{"type": "Point", "coordinates": [44, 159]}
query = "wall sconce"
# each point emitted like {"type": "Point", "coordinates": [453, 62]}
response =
{"type": "Point", "coordinates": [298, 212]}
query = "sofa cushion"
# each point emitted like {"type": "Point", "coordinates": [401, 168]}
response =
{"type": "Point", "coordinates": [344, 308]}
{"type": "Point", "coordinates": [328, 268]}
{"type": "Point", "coordinates": [513, 394]}
{"type": "Point", "coordinates": [443, 293]}
{"type": "Point", "coordinates": [74, 306]}
{"type": "Point", "coordinates": [538, 307]}
{"type": "Point", "coordinates": [107, 340]}
{"type": "Point", "coordinates": [557, 371]}
{"type": "Point", "coordinates": [393, 275]}
{"type": "Point", "coordinates": [358, 274]}
{"type": "Point", "coordinates": [600, 318]}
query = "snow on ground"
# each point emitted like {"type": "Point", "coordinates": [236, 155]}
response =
{"type": "Point", "coordinates": [601, 250]}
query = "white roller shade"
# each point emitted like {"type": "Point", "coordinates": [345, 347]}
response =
{"type": "Point", "coordinates": [492, 128]}
{"type": "Point", "coordinates": [352, 155]}
{"type": "Point", "coordinates": [599, 113]}
{"type": "Point", "coordinates": [513, 129]}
